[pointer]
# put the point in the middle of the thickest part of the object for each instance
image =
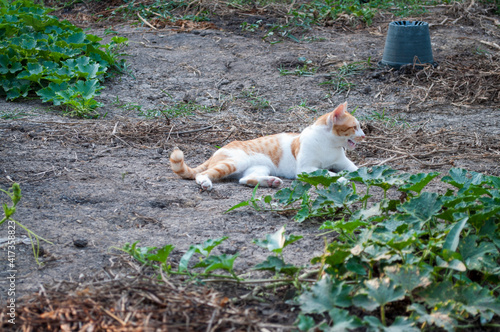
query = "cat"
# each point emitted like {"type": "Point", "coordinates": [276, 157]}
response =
{"type": "Point", "coordinates": [263, 160]}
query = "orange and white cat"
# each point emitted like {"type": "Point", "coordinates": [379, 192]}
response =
{"type": "Point", "coordinates": [263, 160]}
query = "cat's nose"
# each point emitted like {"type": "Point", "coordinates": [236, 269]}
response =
{"type": "Point", "coordinates": [360, 134]}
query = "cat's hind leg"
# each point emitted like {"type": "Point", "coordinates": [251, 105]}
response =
{"type": "Point", "coordinates": [260, 175]}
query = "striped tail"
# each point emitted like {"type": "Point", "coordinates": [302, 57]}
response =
{"type": "Point", "coordinates": [180, 168]}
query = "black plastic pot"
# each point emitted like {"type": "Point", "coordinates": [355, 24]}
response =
{"type": "Point", "coordinates": [407, 42]}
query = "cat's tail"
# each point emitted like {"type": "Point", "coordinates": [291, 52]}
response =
{"type": "Point", "coordinates": [180, 168]}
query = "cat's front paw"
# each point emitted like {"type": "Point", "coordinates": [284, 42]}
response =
{"type": "Point", "coordinates": [204, 182]}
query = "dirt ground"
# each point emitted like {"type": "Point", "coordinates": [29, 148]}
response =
{"type": "Point", "coordinates": [108, 181]}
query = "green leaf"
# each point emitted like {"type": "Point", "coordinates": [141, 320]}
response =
{"type": "Point", "coordinates": [277, 265]}
{"type": "Point", "coordinates": [325, 295]}
{"type": "Point", "coordinates": [480, 256]}
{"type": "Point", "coordinates": [162, 254]}
{"type": "Point", "coordinates": [439, 316]}
{"type": "Point", "coordinates": [304, 322]}
{"type": "Point", "coordinates": [237, 206]}
{"type": "Point", "coordinates": [337, 194]}
{"type": "Point", "coordinates": [338, 256]}
{"type": "Point", "coordinates": [8, 65]}
{"type": "Point", "coordinates": [51, 92]}
{"type": "Point", "coordinates": [477, 300]}
{"type": "Point", "coordinates": [224, 262]}
{"type": "Point", "coordinates": [409, 277]}
{"type": "Point", "coordinates": [203, 249]}
{"type": "Point", "coordinates": [424, 207]}
{"type": "Point", "coordinates": [77, 38]}
{"type": "Point", "coordinates": [378, 292]}
{"type": "Point", "coordinates": [400, 324]}
{"type": "Point", "coordinates": [320, 176]}
{"type": "Point", "coordinates": [34, 72]}
{"type": "Point", "coordinates": [417, 182]}
{"type": "Point", "coordinates": [277, 241]}
{"type": "Point", "coordinates": [459, 178]}
{"type": "Point", "coordinates": [451, 242]}
{"type": "Point", "coordinates": [438, 292]}
{"type": "Point", "coordinates": [349, 226]}
{"type": "Point", "coordinates": [87, 89]}
{"type": "Point", "coordinates": [400, 242]}
{"type": "Point", "coordinates": [450, 260]}
{"type": "Point", "coordinates": [342, 321]}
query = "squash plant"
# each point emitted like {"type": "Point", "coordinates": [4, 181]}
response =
{"type": "Point", "coordinates": [54, 59]}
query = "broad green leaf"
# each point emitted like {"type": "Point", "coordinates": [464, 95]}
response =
{"type": "Point", "coordinates": [337, 194]}
{"type": "Point", "coordinates": [409, 277]}
{"type": "Point", "coordinates": [403, 241]}
{"type": "Point", "coordinates": [451, 242]}
{"type": "Point", "coordinates": [401, 324]}
{"type": "Point", "coordinates": [424, 207]}
{"type": "Point", "coordinates": [438, 293]}
{"type": "Point", "coordinates": [277, 265]}
{"type": "Point", "coordinates": [459, 178]}
{"type": "Point", "coordinates": [303, 214]}
{"type": "Point", "coordinates": [34, 72]}
{"type": "Point", "coordinates": [417, 182]}
{"type": "Point", "coordinates": [320, 176]}
{"type": "Point", "coordinates": [476, 299]}
{"type": "Point", "coordinates": [342, 321]}
{"type": "Point", "coordinates": [349, 226]}
{"type": "Point", "coordinates": [87, 89]}
{"type": "Point", "coordinates": [325, 295]}
{"type": "Point", "coordinates": [9, 65]}
{"type": "Point", "coordinates": [478, 256]}
{"type": "Point", "coordinates": [354, 265]}
{"type": "Point", "coordinates": [439, 316]}
{"type": "Point", "coordinates": [449, 260]}
{"type": "Point", "coordinates": [76, 38]}
{"type": "Point", "coordinates": [277, 241]}
{"type": "Point", "coordinates": [203, 249]}
{"type": "Point", "coordinates": [162, 254]}
{"type": "Point", "coordinates": [365, 214]}
{"type": "Point", "coordinates": [223, 262]}
{"type": "Point", "coordinates": [378, 292]}
{"type": "Point", "coordinates": [51, 92]}
{"type": "Point", "coordinates": [305, 323]}
{"type": "Point", "coordinates": [380, 176]}
{"type": "Point", "coordinates": [338, 256]}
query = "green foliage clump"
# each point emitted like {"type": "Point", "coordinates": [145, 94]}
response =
{"type": "Point", "coordinates": [54, 59]}
{"type": "Point", "coordinates": [437, 255]}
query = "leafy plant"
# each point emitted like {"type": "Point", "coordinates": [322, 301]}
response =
{"type": "Point", "coordinates": [437, 252]}
{"type": "Point", "coordinates": [307, 69]}
{"type": "Point", "coordinates": [14, 194]}
{"type": "Point", "coordinates": [386, 119]}
{"type": "Point", "coordinates": [340, 78]}
{"type": "Point", "coordinates": [257, 101]}
{"type": "Point", "coordinates": [53, 58]}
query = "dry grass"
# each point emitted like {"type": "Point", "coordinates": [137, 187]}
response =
{"type": "Point", "coordinates": [133, 303]}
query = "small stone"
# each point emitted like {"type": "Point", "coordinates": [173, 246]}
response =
{"type": "Point", "coordinates": [80, 243]}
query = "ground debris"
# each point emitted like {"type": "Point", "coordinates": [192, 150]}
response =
{"type": "Point", "coordinates": [136, 303]}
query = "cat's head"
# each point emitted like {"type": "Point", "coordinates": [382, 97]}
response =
{"type": "Point", "coordinates": [343, 125]}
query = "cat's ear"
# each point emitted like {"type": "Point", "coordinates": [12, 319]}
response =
{"type": "Point", "coordinates": [337, 114]}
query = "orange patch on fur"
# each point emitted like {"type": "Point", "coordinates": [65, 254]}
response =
{"type": "Point", "coordinates": [252, 182]}
{"type": "Point", "coordinates": [347, 127]}
{"type": "Point", "coordinates": [267, 145]}
{"type": "Point", "coordinates": [295, 147]}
